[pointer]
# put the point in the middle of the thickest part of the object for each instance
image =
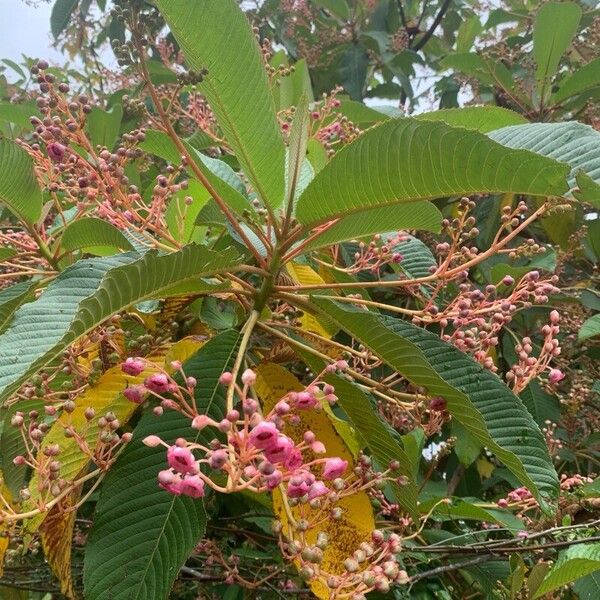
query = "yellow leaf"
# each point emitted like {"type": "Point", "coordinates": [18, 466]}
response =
{"type": "Point", "coordinates": [56, 536]}
{"type": "Point", "coordinates": [345, 535]}
{"type": "Point", "coordinates": [485, 468]}
{"type": "Point", "coordinates": [4, 539]}
{"type": "Point", "coordinates": [106, 395]}
{"type": "Point", "coordinates": [305, 275]}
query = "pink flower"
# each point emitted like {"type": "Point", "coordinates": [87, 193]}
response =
{"type": "Point", "coordinates": [169, 481]}
{"type": "Point", "coordinates": [217, 459]}
{"type": "Point", "coordinates": [502, 503]}
{"type": "Point", "coordinates": [201, 421]}
{"type": "Point", "coordinates": [56, 151]}
{"type": "Point", "coordinates": [226, 378]}
{"type": "Point", "coordinates": [437, 404]}
{"type": "Point", "coordinates": [248, 377]}
{"type": "Point", "coordinates": [152, 441]}
{"type": "Point", "coordinates": [318, 447]}
{"type": "Point", "coordinates": [280, 450]}
{"type": "Point", "coordinates": [297, 489]}
{"type": "Point", "coordinates": [317, 489]}
{"type": "Point", "coordinates": [555, 376]}
{"type": "Point", "coordinates": [135, 393]}
{"type": "Point", "coordinates": [157, 383]}
{"type": "Point", "coordinates": [133, 366]}
{"type": "Point", "coordinates": [181, 459]}
{"type": "Point", "coordinates": [294, 459]}
{"type": "Point", "coordinates": [306, 400]}
{"type": "Point", "coordinates": [334, 467]}
{"type": "Point", "coordinates": [192, 486]}
{"type": "Point", "coordinates": [264, 435]}
{"type": "Point", "coordinates": [274, 479]}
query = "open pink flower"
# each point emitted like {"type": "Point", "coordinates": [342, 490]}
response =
{"type": "Point", "coordinates": [133, 366]}
{"type": "Point", "coordinates": [56, 151]}
{"type": "Point", "coordinates": [192, 486]}
{"type": "Point", "coordinates": [306, 401]}
{"type": "Point", "coordinates": [181, 459]}
{"type": "Point", "coordinates": [280, 450]}
{"type": "Point", "coordinates": [334, 467]}
{"type": "Point", "coordinates": [264, 435]}
{"type": "Point", "coordinates": [297, 489]}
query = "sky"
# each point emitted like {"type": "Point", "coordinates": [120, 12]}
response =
{"type": "Point", "coordinates": [25, 29]}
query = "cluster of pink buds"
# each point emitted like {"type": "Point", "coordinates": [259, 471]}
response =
{"type": "Point", "coordinates": [257, 455]}
{"type": "Point", "coordinates": [529, 367]}
{"type": "Point", "coordinates": [377, 254]}
{"type": "Point", "coordinates": [519, 499]}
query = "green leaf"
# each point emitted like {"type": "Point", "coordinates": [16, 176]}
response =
{"type": "Point", "coordinates": [553, 30]}
{"type": "Point", "coordinates": [142, 535]}
{"type": "Point", "coordinates": [423, 215]}
{"type": "Point", "coordinates": [90, 233]}
{"type": "Point", "coordinates": [87, 293]}
{"type": "Point", "coordinates": [541, 406]}
{"type": "Point", "coordinates": [404, 160]}
{"type": "Point", "coordinates": [298, 142]}
{"type": "Point", "coordinates": [181, 216]}
{"type": "Point", "coordinates": [376, 434]}
{"type": "Point", "coordinates": [236, 86]}
{"type": "Point", "coordinates": [480, 118]}
{"type": "Point", "coordinates": [352, 69]}
{"type": "Point", "coordinates": [11, 298]}
{"type": "Point", "coordinates": [573, 143]}
{"type": "Point", "coordinates": [475, 397]}
{"type": "Point", "coordinates": [575, 562]}
{"type": "Point", "coordinates": [18, 186]}
{"type": "Point", "coordinates": [104, 126]}
{"type": "Point", "coordinates": [580, 80]}
{"type": "Point", "coordinates": [19, 114]}
{"type": "Point", "coordinates": [469, 29]}
{"type": "Point", "coordinates": [61, 14]}
{"type": "Point", "coordinates": [590, 328]}
{"type": "Point", "coordinates": [588, 587]}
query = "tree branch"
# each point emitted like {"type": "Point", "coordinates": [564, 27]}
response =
{"type": "Point", "coordinates": [434, 25]}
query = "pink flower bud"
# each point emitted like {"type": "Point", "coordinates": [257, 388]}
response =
{"type": "Point", "coordinates": [191, 382]}
{"type": "Point", "coordinates": [217, 459]}
{"type": "Point", "coordinates": [192, 486]}
{"type": "Point", "coordinates": [181, 459]}
{"type": "Point", "coordinates": [264, 435]}
{"type": "Point", "coordinates": [282, 408]}
{"type": "Point", "coordinates": [437, 404]}
{"type": "Point", "coordinates": [56, 151]}
{"type": "Point", "coordinates": [502, 503]}
{"type": "Point", "coordinates": [226, 378]}
{"type": "Point", "coordinates": [555, 376]}
{"type": "Point", "coordinates": [274, 479]}
{"type": "Point", "coordinates": [19, 460]}
{"type": "Point", "coordinates": [176, 365]}
{"type": "Point", "coordinates": [135, 393]}
{"type": "Point", "coordinates": [508, 280]}
{"type": "Point", "coordinates": [169, 481]}
{"type": "Point", "coordinates": [317, 489]}
{"type": "Point", "coordinates": [294, 459]}
{"type": "Point", "coordinates": [152, 441]}
{"type": "Point", "coordinates": [334, 468]}
{"type": "Point", "coordinates": [201, 421]}
{"type": "Point", "coordinates": [133, 366]}
{"type": "Point", "coordinates": [317, 447]}
{"type": "Point", "coordinates": [554, 317]}
{"type": "Point", "coordinates": [157, 383]}
{"type": "Point", "coordinates": [248, 377]}
{"type": "Point", "coordinates": [341, 365]}
{"type": "Point", "coordinates": [166, 477]}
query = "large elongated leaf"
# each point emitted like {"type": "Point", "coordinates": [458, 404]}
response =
{"type": "Point", "coordinates": [385, 448]}
{"type": "Point", "coordinates": [475, 397]}
{"type": "Point", "coordinates": [61, 14]}
{"type": "Point", "coordinates": [422, 215]}
{"type": "Point", "coordinates": [574, 563]}
{"type": "Point", "coordinates": [93, 233]}
{"type": "Point", "coordinates": [481, 118]}
{"type": "Point", "coordinates": [406, 160]}
{"type": "Point", "coordinates": [85, 294]}
{"type": "Point", "coordinates": [573, 143]}
{"type": "Point", "coordinates": [11, 298]}
{"type": "Point", "coordinates": [19, 190]}
{"type": "Point", "coordinates": [236, 85]}
{"type": "Point", "coordinates": [554, 28]}
{"type": "Point", "coordinates": [580, 80]}
{"type": "Point", "coordinates": [142, 535]}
